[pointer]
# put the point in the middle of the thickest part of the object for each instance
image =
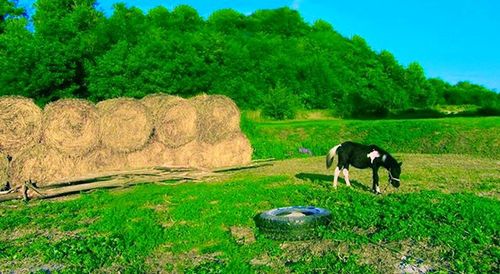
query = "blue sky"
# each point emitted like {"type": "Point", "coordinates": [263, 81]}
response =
{"type": "Point", "coordinates": [453, 40]}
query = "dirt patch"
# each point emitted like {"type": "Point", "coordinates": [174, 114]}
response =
{"type": "Point", "coordinates": [171, 223]}
{"type": "Point", "coordinates": [15, 234]}
{"type": "Point", "coordinates": [268, 261]}
{"type": "Point", "coordinates": [30, 232]}
{"type": "Point", "coordinates": [29, 265]}
{"type": "Point", "coordinates": [395, 257]}
{"type": "Point", "coordinates": [165, 261]}
{"type": "Point", "coordinates": [306, 250]}
{"type": "Point", "coordinates": [299, 251]}
{"type": "Point", "coordinates": [402, 257]}
{"type": "Point", "coordinates": [242, 235]}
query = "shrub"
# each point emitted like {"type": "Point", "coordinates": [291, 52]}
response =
{"type": "Point", "coordinates": [280, 104]}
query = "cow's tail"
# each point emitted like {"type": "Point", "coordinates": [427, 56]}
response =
{"type": "Point", "coordinates": [331, 154]}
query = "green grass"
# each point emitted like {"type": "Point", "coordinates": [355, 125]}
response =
{"type": "Point", "coordinates": [186, 227]}
{"type": "Point", "coordinates": [444, 217]}
{"type": "Point", "coordinates": [281, 140]}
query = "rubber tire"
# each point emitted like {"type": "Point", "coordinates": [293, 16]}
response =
{"type": "Point", "coordinates": [275, 223]}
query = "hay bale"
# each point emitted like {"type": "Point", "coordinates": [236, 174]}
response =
{"type": "Point", "coordinates": [42, 165]}
{"type": "Point", "coordinates": [154, 154]}
{"type": "Point", "coordinates": [174, 119]}
{"type": "Point", "coordinates": [100, 160]}
{"type": "Point", "coordinates": [20, 124]}
{"type": "Point", "coordinates": [125, 124]}
{"type": "Point", "coordinates": [189, 155]}
{"type": "Point", "coordinates": [157, 101]}
{"type": "Point", "coordinates": [218, 118]}
{"type": "Point", "coordinates": [4, 171]}
{"type": "Point", "coordinates": [234, 152]}
{"type": "Point", "coordinates": [71, 126]}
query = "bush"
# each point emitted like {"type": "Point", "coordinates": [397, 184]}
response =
{"type": "Point", "coordinates": [417, 113]}
{"type": "Point", "coordinates": [280, 104]}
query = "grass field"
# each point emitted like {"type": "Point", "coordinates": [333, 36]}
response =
{"type": "Point", "coordinates": [444, 218]}
{"type": "Point", "coordinates": [282, 140]}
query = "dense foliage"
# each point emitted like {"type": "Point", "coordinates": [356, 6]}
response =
{"type": "Point", "coordinates": [73, 50]}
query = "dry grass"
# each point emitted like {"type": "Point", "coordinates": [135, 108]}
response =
{"type": "Point", "coordinates": [126, 124]}
{"type": "Point", "coordinates": [40, 164]}
{"type": "Point", "coordinates": [71, 126]}
{"type": "Point", "coordinates": [448, 173]}
{"type": "Point", "coordinates": [165, 261]}
{"type": "Point", "coordinates": [4, 171]}
{"type": "Point", "coordinates": [218, 118]}
{"type": "Point", "coordinates": [20, 124]}
{"type": "Point", "coordinates": [154, 154]}
{"type": "Point", "coordinates": [175, 119]}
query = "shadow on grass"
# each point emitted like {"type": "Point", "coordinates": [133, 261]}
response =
{"type": "Point", "coordinates": [327, 180]}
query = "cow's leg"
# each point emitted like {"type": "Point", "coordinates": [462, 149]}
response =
{"type": "Point", "coordinates": [375, 187]}
{"type": "Point", "coordinates": [346, 176]}
{"type": "Point", "coordinates": [336, 177]}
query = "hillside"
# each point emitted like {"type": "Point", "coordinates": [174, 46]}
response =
{"type": "Point", "coordinates": [270, 59]}
{"type": "Point", "coordinates": [467, 136]}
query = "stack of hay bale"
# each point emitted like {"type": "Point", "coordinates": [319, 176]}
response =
{"type": "Point", "coordinates": [73, 137]}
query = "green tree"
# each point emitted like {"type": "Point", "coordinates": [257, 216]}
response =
{"type": "Point", "coordinates": [227, 21]}
{"type": "Point", "coordinates": [66, 40]}
{"type": "Point", "coordinates": [417, 86]}
{"type": "Point", "coordinates": [9, 9]}
{"type": "Point", "coordinates": [18, 59]}
{"type": "Point", "coordinates": [282, 21]}
{"type": "Point", "coordinates": [280, 103]}
{"type": "Point", "coordinates": [159, 17]}
{"type": "Point", "coordinates": [185, 18]}
{"type": "Point", "coordinates": [125, 24]}
{"type": "Point", "coordinates": [75, 51]}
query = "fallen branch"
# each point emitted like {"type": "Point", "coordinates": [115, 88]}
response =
{"type": "Point", "coordinates": [109, 175]}
{"type": "Point", "coordinates": [119, 179]}
{"type": "Point", "coordinates": [11, 196]}
{"type": "Point", "coordinates": [236, 168]}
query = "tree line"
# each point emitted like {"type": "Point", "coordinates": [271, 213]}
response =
{"type": "Point", "coordinates": [271, 59]}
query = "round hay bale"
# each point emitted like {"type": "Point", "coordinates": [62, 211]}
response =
{"type": "Point", "coordinates": [125, 124]}
{"type": "Point", "coordinates": [234, 152]}
{"type": "Point", "coordinates": [20, 124]}
{"type": "Point", "coordinates": [41, 165]}
{"type": "Point", "coordinates": [174, 119]}
{"type": "Point", "coordinates": [154, 154]}
{"type": "Point", "coordinates": [189, 155]}
{"type": "Point", "coordinates": [100, 160]}
{"type": "Point", "coordinates": [71, 126]}
{"type": "Point", "coordinates": [4, 171]}
{"type": "Point", "coordinates": [218, 118]}
{"type": "Point", "coordinates": [157, 101]}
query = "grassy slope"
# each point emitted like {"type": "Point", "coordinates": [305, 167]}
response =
{"type": "Point", "coordinates": [186, 227]}
{"type": "Point", "coordinates": [473, 136]}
